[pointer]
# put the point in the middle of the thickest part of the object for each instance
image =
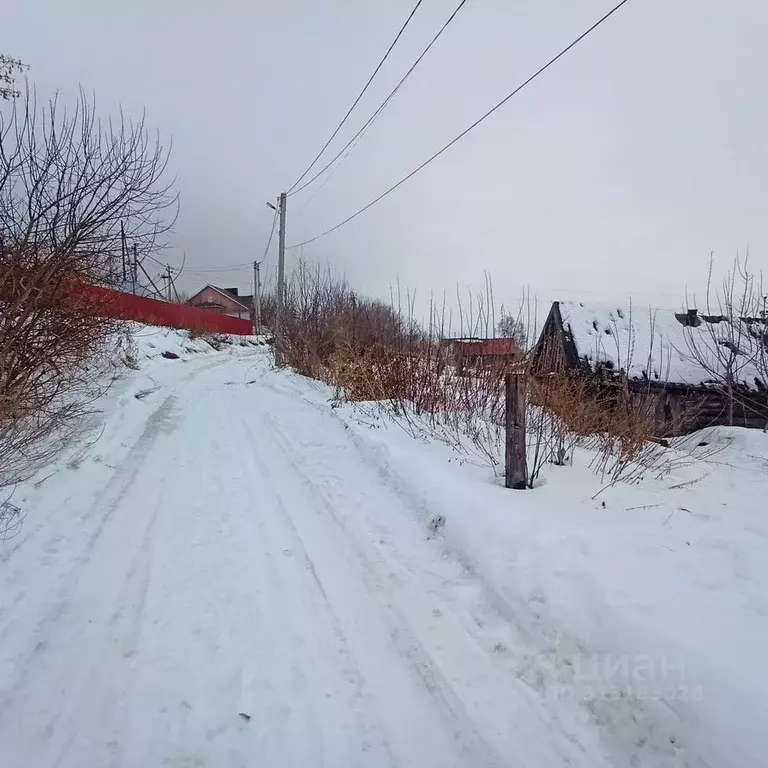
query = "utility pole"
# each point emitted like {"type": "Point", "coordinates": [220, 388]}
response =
{"type": "Point", "coordinates": [135, 268]}
{"type": "Point", "coordinates": [123, 247]}
{"type": "Point", "coordinates": [170, 281]}
{"type": "Point", "coordinates": [257, 298]}
{"type": "Point", "coordinates": [280, 285]}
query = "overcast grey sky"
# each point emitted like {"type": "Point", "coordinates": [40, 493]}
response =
{"type": "Point", "coordinates": [616, 171]}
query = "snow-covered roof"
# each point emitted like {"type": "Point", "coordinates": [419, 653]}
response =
{"type": "Point", "coordinates": [655, 344]}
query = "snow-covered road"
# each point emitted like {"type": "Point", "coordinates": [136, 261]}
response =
{"type": "Point", "coordinates": [228, 579]}
{"type": "Point", "coordinates": [224, 567]}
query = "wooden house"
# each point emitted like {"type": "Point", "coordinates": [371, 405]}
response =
{"type": "Point", "coordinates": [671, 361]}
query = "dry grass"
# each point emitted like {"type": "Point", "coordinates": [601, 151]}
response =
{"type": "Point", "coordinates": [369, 351]}
{"type": "Point", "coordinates": [619, 426]}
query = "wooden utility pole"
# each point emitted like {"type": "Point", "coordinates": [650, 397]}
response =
{"type": "Point", "coordinates": [123, 248]}
{"type": "Point", "coordinates": [170, 282]}
{"type": "Point", "coordinates": [257, 298]}
{"type": "Point", "coordinates": [135, 268]}
{"type": "Point", "coordinates": [280, 284]}
{"type": "Point", "coordinates": [516, 466]}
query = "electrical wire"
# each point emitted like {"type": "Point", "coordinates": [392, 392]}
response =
{"type": "Point", "coordinates": [152, 258]}
{"type": "Point", "coordinates": [228, 268]}
{"type": "Point", "coordinates": [327, 178]}
{"type": "Point", "coordinates": [322, 185]}
{"type": "Point", "coordinates": [360, 96]}
{"type": "Point", "coordinates": [466, 130]}
{"type": "Point", "coordinates": [381, 108]}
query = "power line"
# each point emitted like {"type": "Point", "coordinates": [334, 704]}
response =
{"type": "Point", "coordinates": [152, 258]}
{"type": "Point", "coordinates": [321, 186]}
{"type": "Point", "coordinates": [467, 130]}
{"type": "Point", "coordinates": [227, 268]}
{"type": "Point", "coordinates": [386, 101]}
{"type": "Point", "coordinates": [360, 96]}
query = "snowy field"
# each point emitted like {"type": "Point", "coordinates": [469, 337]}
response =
{"type": "Point", "coordinates": [236, 573]}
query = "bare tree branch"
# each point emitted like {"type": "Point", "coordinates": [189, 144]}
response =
{"type": "Point", "coordinates": [69, 186]}
{"type": "Point", "coordinates": [728, 340]}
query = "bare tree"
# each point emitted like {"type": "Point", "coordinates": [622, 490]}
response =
{"type": "Point", "coordinates": [512, 327]}
{"type": "Point", "coordinates": [67, 184]}
{"type": "Point", "coordinates": [728, 340]}
{"type": "Point", "coordinates": [8, 69]}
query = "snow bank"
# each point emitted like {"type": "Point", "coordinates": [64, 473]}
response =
{"type": "Point", "coordinates": [149, 342]}
{"type": "Point", "coordinates": [646, 342]}
{"type": "Point", "coordinates": [146, 362]}
{"type": "Point", "coordinates": [648, 600]}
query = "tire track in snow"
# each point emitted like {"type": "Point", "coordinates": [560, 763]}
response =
{"type": "Point", "coordinates": [46, 526]}
{"type": "Point", "coordinates": [71, 682]}
{"type": "Point", "coordinates": [468, 745]}
{"type": "Point", "coordinates": [296, 555]}
{"type": "Point", "coordinates": [117, 547]}
{"type": "Point", "coordinates": [371, 560]}
{"type": "Point", "coordinates": [106, 502]}
{"type": "Point", "coordinates": [231, 588]}
{"type": "Point", "coordinates": [546, 659]}
{"type": "Point", "coordinates": [537, 662]}
{"type": "Point", "coordinates": [109, 672]}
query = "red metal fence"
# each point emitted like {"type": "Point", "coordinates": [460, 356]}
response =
{"type": "Point", "coordinates": [126, 306]}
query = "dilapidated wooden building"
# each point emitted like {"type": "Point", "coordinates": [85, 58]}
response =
{"type": "Point", "coordinates": [689, 370]}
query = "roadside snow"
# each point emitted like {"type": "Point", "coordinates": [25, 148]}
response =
{"type": "Point", "coordinates": [135, 380]}
{"type": "Point", "coordinates": [151, 341]}
{"type": "Point", "coordinates": [650, 601]}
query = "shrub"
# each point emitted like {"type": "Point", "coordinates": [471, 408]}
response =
{"type": "Point", "coordinates": [72, 190]}
{"type": "Point", "coordinates": [370, 351]}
